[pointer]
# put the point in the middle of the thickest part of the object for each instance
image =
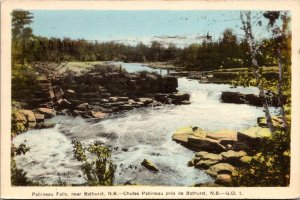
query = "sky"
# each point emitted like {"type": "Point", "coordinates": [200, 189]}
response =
{"type": "Point", "coordinates": [136, 26]}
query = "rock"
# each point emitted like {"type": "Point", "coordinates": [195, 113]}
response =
{"type": "Point", "coordinates": [225, 136]}
{"type": "Point", "coordinates": [168, 84]}
{"type": "Point", "coordinates": [29, 115]}
{"type": "Point", "coordinates": [30, 118]}
{"type": "Point", "coordinates": [212, 156]}
{"type": "Point", "coordinates": [221, 168]}
{"type": "Point", "coordinates": [98, 114]}
{"type": "Point", "coordinates": [83, 106]}
{"type": "Point", "coordinates": [233, 157]}
{"type": "Point", "coordinates": [58, 92]}
{"type": "Point", "coordinates": [39, 117]}
{"type": "Point", "coordinates": [201, 154]}
{"type": "Point", "coordinates": [47, 125]}
{"type": "Point", "coordinates": [205, 164]}
{"type": "Point", "coordinates": [195, 138]}
{"type": "Point", "coordinates": [253, 100]}
{"type": "Point", "coordinates": [181, 135]}
{"type": "Point", "coordinates": [205, 144]}
{"type": "Point", "coordinates": [64, 103]}
{"type": "Point", "coordinates": [145, 101]}
{"type": "Point", "coordinates": [191, 162]}
{"type": "Point", "coordinates": [253, 136]}
{"type": "Point", "coordinates": [76, 113]}
{"type": "Point", "coordinates": [113, 99]}
{"type": "Point", "coordinates": [233, 154]}
{"type": "Point", "coordinates": [179, 97]}
{"type": "Point", "coordinates": [48, 112]}
{"type": "Point", "coordinates": [70, 93]}
{"type": "Point", "coordinates": [240, 146]}
{"type": "Point", "coordinates": [232, 97]}
{"type": "Point", "coordinates": [246, 160]}
{"type": "Point", "coordinates": [223, 179]}
{"type": "Point", "coordinates": [207, 159]}
{"type": "Point", "coordinates": [184, 103]}
{"type": "Point", "coordinates": [123, 98]}
{"type": "Point", "coordinates": [149, 165]}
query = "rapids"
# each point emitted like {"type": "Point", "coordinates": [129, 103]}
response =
{"type": "Point", "coordinates": [136, 135]}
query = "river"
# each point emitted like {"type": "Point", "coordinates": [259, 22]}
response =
{"type": "Point", "coordinates": [136, 135]}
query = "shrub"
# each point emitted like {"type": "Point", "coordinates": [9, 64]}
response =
{"type": "Point", "coordinates": [270, 167]}
{"type": "Point", "coordinates": [97, 172]}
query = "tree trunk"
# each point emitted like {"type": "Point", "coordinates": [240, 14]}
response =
{"type": "Point", "coordinates": [247, 27]}
{"type": "Point", "coordinates": [279, 89]}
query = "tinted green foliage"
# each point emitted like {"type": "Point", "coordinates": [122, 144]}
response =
{"type": "Point", "coordinates": [18, 176]}
{"type": "Point", "coordinates": [99, 171]}
{"type": "Point", "coordinates": [271, 167]}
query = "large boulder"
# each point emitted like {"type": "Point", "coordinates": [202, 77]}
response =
{"type": "Point", "coordinates": [168, 84]}
{"type": "Point", "coordinates": [221, 168]}
{"type": "Point", "coordinates": [30, 118]}
{"type": "Point", "coordinates": [233, 157]}
{"type": "Point", "coordinates": [195, 138]}
{"type": "Point", "coordinates": [232, 97]}
{"type": "Point", "coordinates": [253, 136]}
{"type": "Point", "coordinates": [150, 165]}
{"type": "Point", "coordinates": [205, 144]}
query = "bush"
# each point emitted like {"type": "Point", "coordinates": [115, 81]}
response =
{"type": "Point", "coordinates": [270, 167]}
{"type": "Point", "coordinates": [97, 172]}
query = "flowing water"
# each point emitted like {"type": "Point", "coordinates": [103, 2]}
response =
{"type": "Point", "coordinates": [136, 135]}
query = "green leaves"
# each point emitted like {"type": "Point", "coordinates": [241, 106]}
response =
{"type": "Point", "coordinates": [99, 171]}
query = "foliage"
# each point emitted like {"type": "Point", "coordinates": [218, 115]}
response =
{"type": "Point", "coordinates": [99, 171]}
{"type": "Point", "coordinates": [18, 176]}
{"type": "Point", "coordinates": [270, 167]}
{"type": "Point", "coordinates": [271, 164]}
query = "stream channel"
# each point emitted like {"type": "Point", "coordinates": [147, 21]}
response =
{"type": "Point", "coordinates": [144, 133]}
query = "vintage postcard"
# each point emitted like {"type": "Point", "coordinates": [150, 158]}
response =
{"type": "Point", "coordinates": [150, 99]}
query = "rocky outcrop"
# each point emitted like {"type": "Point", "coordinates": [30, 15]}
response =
{"type": "Point", "coordinates": [253, 136]}
{"type": "Point", "coordinates": [197, 139]}
{"type": "Point", "coordinates": [250, 99]}
{"type": "Point", "coordinates": [100, 91]}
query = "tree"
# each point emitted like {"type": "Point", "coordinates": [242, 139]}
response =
{"type": "Point", "coordinates": [247, 27]}
{"type": "Point", "coordinates": [21, 35]}
{"type": "Point", "coordinates": [280, 35]}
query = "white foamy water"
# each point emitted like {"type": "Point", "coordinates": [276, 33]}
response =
{"type": "Point", "coordinates": [136, 135]}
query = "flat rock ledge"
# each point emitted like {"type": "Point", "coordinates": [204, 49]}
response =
{"type": "Point", "coordinates": [220, 152]}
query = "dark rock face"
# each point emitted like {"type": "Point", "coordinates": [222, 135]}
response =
{"type": "Point", "coordinates": [250, 99]}
{"type": "Point", "coordinates": [99, 91]}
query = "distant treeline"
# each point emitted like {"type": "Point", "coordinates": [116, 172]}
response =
{"type": "Point", "coordinates": [227, 52]}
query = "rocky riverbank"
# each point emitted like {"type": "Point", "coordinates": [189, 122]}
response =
{"type": "Point", "coordinates": [95, 93]}
{"type": "Point", "coordinates": [222, 152]}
